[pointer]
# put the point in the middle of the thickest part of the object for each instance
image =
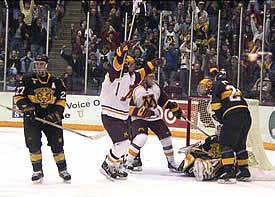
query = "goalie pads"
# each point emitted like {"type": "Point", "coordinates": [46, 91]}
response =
{"type": "Point", "coordinates": [206, 169]}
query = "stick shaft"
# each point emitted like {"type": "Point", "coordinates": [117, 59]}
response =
{"type": "Point", "coordinates": [194, 125]}
{"type": "Point", "coordinates": [121, 71]}
{"type": "Point", "coordinates": [59, 126]}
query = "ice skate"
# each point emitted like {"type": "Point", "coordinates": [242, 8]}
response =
{"type": "Point", "coordinates": [65, 176]}
{"type": "Point", "coordinates": [173, 169]}
{"type": "Point", "coordinates": [227, 178]}
{"type": "Point", "coordinates": [37, 177]}
{"type": "Point", "coordinates": [137, 165]}
{"type": "Point", "coordinates": [243, 175]}
{"type": "Point", "coordinates": [108, 171]}
{"type": "Point", "coordinates": [121, 172]}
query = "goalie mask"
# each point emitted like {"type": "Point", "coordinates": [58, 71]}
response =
{"type": "Point", "coordinates": [204, 87]}
{"type": "Point", "coordinates": [40, 65]}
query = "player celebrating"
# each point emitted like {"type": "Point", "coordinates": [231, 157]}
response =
{"type": "Point", "coordinates": [143, 108]}
{"type": "Point", "coordinates": [115, 106]}
{"type": "Point", "coordinates": [42, 95]}
{"type": "Point", "coordinates": [231, 110]}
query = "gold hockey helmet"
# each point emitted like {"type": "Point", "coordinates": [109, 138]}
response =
{"type": "Point", "coordinates": [205, 87]}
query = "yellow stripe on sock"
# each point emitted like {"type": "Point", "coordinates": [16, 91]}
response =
{"type": "Point", "coordinates": [59, 157]}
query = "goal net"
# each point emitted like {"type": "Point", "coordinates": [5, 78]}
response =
{"type": "Point", "coordinates": [199, 114]}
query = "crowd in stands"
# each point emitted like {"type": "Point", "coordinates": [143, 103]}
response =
{"type": "Point", "coordinates": [106, 33]}
{"type": "Point", "coordinates": [27, 32]}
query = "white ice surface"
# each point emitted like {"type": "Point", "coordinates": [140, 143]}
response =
{"type": "Point", "coordinates": [84, 158]}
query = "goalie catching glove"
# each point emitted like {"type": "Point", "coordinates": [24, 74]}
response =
{"type": "Point", "coordinates": [54, 117]}
{"type": "Point", "coordinates": [175, 108]}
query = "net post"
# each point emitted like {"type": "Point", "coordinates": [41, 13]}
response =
{"type": "Point", "coordinates": [188, 124]}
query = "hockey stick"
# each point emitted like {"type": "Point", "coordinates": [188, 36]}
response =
{"type": "Point", "coordinates": [100, 135]}
{"type": "Point", "coordinates": [186, 149]}
{"type": "Point", "coordinates": [129, 37]}
{"type": "Point", "coordinates": [194, 125]}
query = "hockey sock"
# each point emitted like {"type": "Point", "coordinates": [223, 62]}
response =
{"type": "Point", "coordinates": [60, 161]}
{"type": "Point", "coordinates": [242, 158]}
{"type": "Point", "coordinates": [137, 143]}
{"type": "Point", "coordinates": [168, 149]}
{"type": "Point", "coordinates": [36, 159]}
{"type": "Point", "coordinates": [116, 152]}
{"type": "Point", "coordinates": [227, 157]}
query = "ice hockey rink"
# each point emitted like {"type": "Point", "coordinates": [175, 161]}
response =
{"type": "Point", "coordinates": [84, 157]}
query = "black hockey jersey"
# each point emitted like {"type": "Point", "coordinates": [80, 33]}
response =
{"type": "Point", "coordinates": [47, 94]}
{"type": "Point", "coordinates": [225, 97]}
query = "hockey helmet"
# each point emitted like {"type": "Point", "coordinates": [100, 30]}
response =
{"type": "Point", "coordinates": [205, 87]}
{"type": "Point", "coordinates": [221, 75]}
{"type": "Point", "coordinates": [40, 65]}
{"type": "Point", "coordinates": [149, 80]}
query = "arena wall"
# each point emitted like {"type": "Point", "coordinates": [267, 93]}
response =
{"type": "Point", "coordinates": [83, 113]}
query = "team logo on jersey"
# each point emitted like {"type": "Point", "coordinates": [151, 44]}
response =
{"type": "Point", "coordinates": [44, 96]}
{"type": "Point", "coordinates": [149, 101]}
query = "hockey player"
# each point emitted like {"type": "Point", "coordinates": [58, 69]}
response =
{"type": "Point", "coordinates": [143, 108]}
{"type": "Point", "coordinates": [42, 95]}
{"type": "Point", "coordinates": [231, 110]}
{"type": "Point", "coordinates": [115, 107]}
{"type": "Point", "coordinates": [203, 160]}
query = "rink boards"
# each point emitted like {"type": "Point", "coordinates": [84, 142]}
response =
{"type": "Point", "coordinates": [83, 113]}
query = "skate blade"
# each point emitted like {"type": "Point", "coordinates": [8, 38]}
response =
{"type": "Point", "coordinates": [121, 178]}
{"type": "Point", "coordinates": [137, 169]}
{"type": "Point", "coordinates": [106, 175]}
{"type": "Point", "coordinates": [65, 181]}
{"type": "Point", "coordinates": [245, 179]}
{"type": "Point", "coordinates": [227, 181]}
{"type": "Point", "coordinates": [39, 181]}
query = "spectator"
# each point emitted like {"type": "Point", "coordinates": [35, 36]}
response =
{"type": "Point", "coordinates": [38, 37]}
{"type": "Point", "coordinates": [150, 50]}
{"type": "Point", "coordinates": [13, 64]}
{"type": "Point", "coordinates": [26, 63]}
{"type": "Point", "coordinates": [71, 80]}
{"type": "Point", "coordinates": [138, 55]}
{"type": "Point", "coordinates": [11, 83]}
{"type": "Point", "coordinates": [170, 37]}
{"type": "Point", "coordinates": [258, 32]}
{"type": "Point", "coordinates": [170, 69]}
{"type": "Point", "coordinates": [105, 56]}
{"type": "Point", "coordinates": [27, 10]}
{"type": "Point", "coordinates": [184, 68]}
{"type": "Point", "coordinates": [95, 21]}
{"type": "Point", "coordinates": [76, 61]}
{"type": "Point", "coordinates": [18, 34]}
{"type": "Point", "coordinates": [77, 46]}
{"type": "Point", "coordinates": [199, 12]}
{"type": "Point", "coordinates": [110, 37]}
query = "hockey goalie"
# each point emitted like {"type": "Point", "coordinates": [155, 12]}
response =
{"type": "Point", "coordinates": [203, 160]}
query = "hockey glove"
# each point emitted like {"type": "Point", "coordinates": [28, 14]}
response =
{"type": "Point", "coordinates": [144, 112]}
{"type": "Point", "coordinates": [29, 112]}
{"type": "Point", "coordinates": [54, 117]}
{"type": "Point", "coordinates": [175, 108]}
